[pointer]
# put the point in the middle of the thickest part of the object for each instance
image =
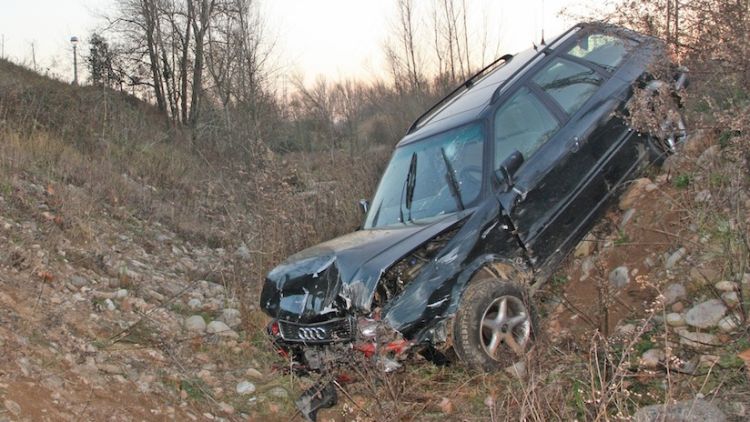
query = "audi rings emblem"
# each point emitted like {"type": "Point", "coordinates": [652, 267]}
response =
{"type": "Point", "coordinates": [312, 333]}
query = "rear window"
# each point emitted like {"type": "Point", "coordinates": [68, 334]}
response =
{"type": "Point", "coordinates": [605, 50]}
{"type": "Point", "coordinates": [570, 84]}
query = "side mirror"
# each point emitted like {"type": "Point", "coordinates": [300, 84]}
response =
{"type": "Point", "coordinates": [364, 205]}
{"type": "Point", "coordinates": [508, 169]}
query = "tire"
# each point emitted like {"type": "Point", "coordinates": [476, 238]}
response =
{"type": "Point", "coordinates": [482, 339]}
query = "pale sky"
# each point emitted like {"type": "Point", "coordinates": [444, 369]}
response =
{"type": "Point", "coordinates": [334, 38]}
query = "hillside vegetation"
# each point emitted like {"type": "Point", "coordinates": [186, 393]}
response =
{"type": "Point", "coordinates": [132, 251]}
{"type": "Point", "coordinates": [111, 223]}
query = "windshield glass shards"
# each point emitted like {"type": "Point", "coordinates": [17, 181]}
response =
{"type": "Point", "coordinates": [438, 175]}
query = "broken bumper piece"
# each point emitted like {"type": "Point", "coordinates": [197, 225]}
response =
{"type": "Point", "coordinates": [319, 396]}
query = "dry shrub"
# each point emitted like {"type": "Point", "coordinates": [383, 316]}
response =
{"type": "Point", "coordinates": [304, 199]}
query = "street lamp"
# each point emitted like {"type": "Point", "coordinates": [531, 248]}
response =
{"type": "Point", "coordinates": [74, 42]}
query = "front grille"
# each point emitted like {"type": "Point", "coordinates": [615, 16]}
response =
{"type": "Point", "coordinates": [331, 331]}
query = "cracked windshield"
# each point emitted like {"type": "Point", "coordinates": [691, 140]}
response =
{"type": "Point", "coordinates": [429, 178]}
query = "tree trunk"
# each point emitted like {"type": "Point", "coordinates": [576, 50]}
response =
{"type": "Point", "coordinates": [150, 14]}
{"type": "Point", "coordinates": [200, 31]}
{"type": "Point", "coordinates": [184, 67]}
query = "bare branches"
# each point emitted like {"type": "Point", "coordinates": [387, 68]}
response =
{"type": "Point", "coordinates": [170, 44]}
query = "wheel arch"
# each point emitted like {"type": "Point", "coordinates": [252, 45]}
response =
{"type": "Point", "coordinates": [500, 267]}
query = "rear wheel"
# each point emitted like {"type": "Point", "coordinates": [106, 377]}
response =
{"type": "Point", "coordinates": [672, 133]}
{"type": "Point", "coordinates": [494, 326]}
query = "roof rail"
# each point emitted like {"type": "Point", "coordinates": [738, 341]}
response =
{"type": "Point", "coordinates": [465, 85]}
{"type": "Point", "coordinates": [545, 50]}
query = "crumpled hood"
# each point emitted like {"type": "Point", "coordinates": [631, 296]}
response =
{"type": "Point", "coordinates": [325, 280]}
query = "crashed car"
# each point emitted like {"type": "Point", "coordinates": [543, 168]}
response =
{"type": "Point", "coordinates": [486, 194]}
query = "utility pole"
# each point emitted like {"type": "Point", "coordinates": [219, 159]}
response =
{"type": "Point", "coordinates": [74, 41]}
{"type": "Point", "coordinates": [33, 55]}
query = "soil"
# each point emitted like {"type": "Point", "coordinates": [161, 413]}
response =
{"type": "Point", "coordinates": [592, 303]}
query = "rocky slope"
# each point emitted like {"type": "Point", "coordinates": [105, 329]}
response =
{"type": "Point", "coordinates": [110, 317]}
{"type": "Point", "coordinates": [118, 306]}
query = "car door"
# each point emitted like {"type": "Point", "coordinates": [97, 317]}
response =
{"type": "Point", "coordinates": [617, 148]}
{"type": "Point", "coordinates": [559, 185]}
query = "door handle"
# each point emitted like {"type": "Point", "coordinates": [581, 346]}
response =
{"type": "Point", "coordinates": [575, 146]}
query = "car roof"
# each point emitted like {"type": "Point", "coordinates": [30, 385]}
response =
{"type": "Point", "coordinates": [468, 105]}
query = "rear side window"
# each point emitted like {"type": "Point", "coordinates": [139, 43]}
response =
{"type": "Point", "coordinates": [605, 50]}
{"type": "Point", "coordinates": [523, 123]}
{"type": "Point", "coordinates": [570, 84]}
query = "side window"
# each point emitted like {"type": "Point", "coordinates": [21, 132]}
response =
{"type": "Point", "coordinates": [522, 123]}
{"type": "Point", "coordinates": [570, 84]}
{"type": "Point", "coordinates": [605, 50]}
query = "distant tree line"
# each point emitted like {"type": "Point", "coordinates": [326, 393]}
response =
{"type": "Point", "coordinates": [208, 65]}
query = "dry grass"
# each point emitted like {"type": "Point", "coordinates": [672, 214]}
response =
{"type": "Point", "coordinates": [105, 152]}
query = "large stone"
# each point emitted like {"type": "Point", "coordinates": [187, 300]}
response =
{"type": "Point", "coordinates": [78, 281]}
{"type": "Point", "coordinates": [170, 288]}
{"type": "Point", "coordinates": [673, 293]}
{"type": "Point", "coordinates": [697, 340]}
{"type": "Point", "coordinates": [619, 277]}
{"type": "Point", "coordinates": [706, 314]}
{"type": "Point", "coordinates": [231, 317]}
{"type": "Point", "coordinates": [194, 303]}
{"type": "Point", "coordinates": [195, 324]}
{"type": "Point", "coordinates": [586, 267]}
{"type": "Point", "coordinates": [730, 298]}
{"type": "Point", "coordinates": [279, 393]}
{"type": "Point", "coordinates": [675, 258]}
{"type": "Point", "coordinates": [254, 373]}
{"type": "Point", "coordinates": [226, 408]}
{"type": "Point", "coordinates": [245, 387]}
{"type": "Point", "coordinates": [675, 320]}
{"type": "Point", "coordinates": [697, 410]}
{"type": "Point", "coordinates": [585, 247]}
{"type": "Point", "coordinates": [634, 192]}
{"type": "Point", "coordinates": [221, 329]}
{"type": "Point", "coordinates": [725, 286]}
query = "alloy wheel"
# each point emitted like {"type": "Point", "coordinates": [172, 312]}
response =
{"type": "Point", "coordinates": [505, 322]}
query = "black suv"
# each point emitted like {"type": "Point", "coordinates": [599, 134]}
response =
{"type": "Point", "coordinates": [482, 199]}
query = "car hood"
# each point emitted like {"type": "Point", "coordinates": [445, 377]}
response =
{"type": "Point", "coordinates": [329, 279]}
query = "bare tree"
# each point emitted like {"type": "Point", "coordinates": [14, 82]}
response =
{"type": "Point", "coordinates": [201, 23]}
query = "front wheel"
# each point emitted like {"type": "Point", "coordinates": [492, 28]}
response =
{"type": "Point", "coordinates": [494, 326]}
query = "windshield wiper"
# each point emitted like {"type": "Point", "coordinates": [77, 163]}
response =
{"type": "Point", "coordinates": [452, 183]}
{"type": "Point", "coordinates": [411, 181]}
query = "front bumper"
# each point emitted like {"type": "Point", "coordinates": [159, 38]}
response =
{"type": "Point", "coordinates": [311, 345]}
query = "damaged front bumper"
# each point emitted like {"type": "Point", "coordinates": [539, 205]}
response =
{"type": "Point", "coordinates": [339, 350]}
{"type": "Point", "coordinates": [322, 347]}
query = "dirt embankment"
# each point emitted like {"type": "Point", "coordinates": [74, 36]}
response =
{"type": "Point", "coordinates": [109, 316]}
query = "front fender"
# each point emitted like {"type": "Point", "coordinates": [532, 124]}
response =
{"type": "Point", "coordinates": [435, 293]}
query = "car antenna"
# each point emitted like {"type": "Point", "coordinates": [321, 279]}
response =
{"type": "Point", "coordinates": [542, 42]}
